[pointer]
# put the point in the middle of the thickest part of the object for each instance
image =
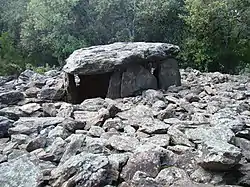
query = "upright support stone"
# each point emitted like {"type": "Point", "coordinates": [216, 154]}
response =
{"type": "Point", "coordinates": [114, 90]}
{"type": "Point", "coordinates": [71, 89]}
{"type": "Point", "coordinates": [136, 78]}
{"type": "Point", "coordinates": [169, 74]}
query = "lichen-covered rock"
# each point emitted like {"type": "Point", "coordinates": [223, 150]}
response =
{"type": "Point", "coordinates": [107, 58]}
{"type": "Point", "coordinates": [20, 172]}
{"type": "Point", "coordinates": [33, 125]}
{"type": "Point", "coordinates": [84, 169]}
{"type": "Point", "coordinates": [148, 162]}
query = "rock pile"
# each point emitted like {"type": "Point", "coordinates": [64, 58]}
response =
{"type": "Point", "coordinates": [194, 135]}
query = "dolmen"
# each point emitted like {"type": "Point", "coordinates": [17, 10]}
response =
{"type": "Point", "coordinates": [120, 70]}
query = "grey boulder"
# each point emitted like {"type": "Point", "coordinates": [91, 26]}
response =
{"type": "Point", "coordinates": [20, 172]}
{"type": "Point", "coordinates": [107, 58]}
{"type": "Point", "coordinates": [11, 97]}
{"type": "Point", "coordinates": [5, 124]}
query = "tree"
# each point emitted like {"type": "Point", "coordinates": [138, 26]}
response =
{"type": "Point", "coordinates": [52, 27]}
{"type": "Point", "coordinates": [11, 60]}
{"type": "Point", "coordinates": [217, 34]}
{"type": "Point", "coordinates": [134, 20]}
{"type": "Point", "coordinates": [159, 20]}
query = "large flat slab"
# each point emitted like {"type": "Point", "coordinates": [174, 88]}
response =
{"type": "Point", "coordinates": [107, 58]}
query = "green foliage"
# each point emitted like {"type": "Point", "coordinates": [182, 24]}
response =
{"type": "Point", "coordinates": [159, 20]}
{"type": "Point", "coordinates": [11, 62]}
{"type": "Point", "coordinates": [50, 26]}
{"type": "Point", "coordinates": [134, 20]}
{"type": "Point", "coordinates": [39, 69]}
{"type": "Point", "coordinates": [217, 34]}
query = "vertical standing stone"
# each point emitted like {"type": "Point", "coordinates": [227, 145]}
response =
{"type": "Point", "coordinates": [114, 90]}
{"type": "Point", "coordinates": [168, 74]}
{"type": "Point", "coordinates": [71, 88]}
{"type": "Point", "coordinates": [136, 78]}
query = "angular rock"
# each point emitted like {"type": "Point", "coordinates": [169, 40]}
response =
{"type": "Point", "coordinates": [3, 158]}
{"type": "Point", "coordinates": [209, 90]}
{"type": "Point", "coordinates": [91, 118]}
{"type": "Point", "coordinates": [141, 179]}
{"type": "Point", "coordinates": [36, 143]}
{"type": "Point", "coordinates": [151, 96]}
{"type": "Point", "coordinates": [93, 105]}
{"type": "Point", "coordinates": [30, 108]}
{"type": "Point", "coordinates": [84, 169]}
{"type": "Point", "coordinates": [158, 139]}
{"type": "Point", "coordinates": [147, 162]}
{"type": "Point", "coordinates": [51, 93]}
{"type": "Point", "coordinates": [159, 105]}
{"type": "Point", "coordinates": [13, 112]}
{"type": "Point", "coordinates": [219, 156]}
{"type": "Point", "coordinates": [244, 145]}
{"type": "Point", "coordinates": [178, 138]}
{"type": "Point", "coordinates": [123, 143]}
{"type": "Point", "coordinates": [32, 92]}
{"type": "Point", "coordinates": [169, 176]}
{"type": "Point", "coordinates": [11, 97]}
{"type": "Point", "coordinates": [72, 125]}
{"type": "Point", "coordinates": [16, 153]}
{"type": "Point", "coordinates": [66, 110]}
{"type": "Point", "coordinates": [115, 123]}
{"type": "Point", "coordinates": [50, 110]}
{"type": "Point", "coordinates": [227, 118]}
{"type": "Point", "coordinates": [33, 125]}
{"type": "Point", "coordinates": [245, 178]}
{"type": "Point", "coordinates": [20, 172]}
{"type": "Point", "coordinates": [153, 126]}
{"type": "Point", "coordinates": [75, 146]}
{"type": "Point", "coordinates": [118, 160]}
{"type": "Point", "coordinates": [96, 131]}
{"type": "Point", "coordinates": [136, 79]}
{"type": "Point", "coordinates": [5, 124]}
{"type": "Point", "coordinates": [20, 138]}
{"type": "Point", "coordinates": [57, 149]}
{"type": "Point", "coordinates": [58, 131]}
{"type": "Point", "coordinates": [96, 145]}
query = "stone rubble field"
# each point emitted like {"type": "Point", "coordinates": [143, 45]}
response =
{"type": "Point", "coordinates": [194, 135]}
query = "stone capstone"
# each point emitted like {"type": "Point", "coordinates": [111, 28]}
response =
{"type": "Point", "coordinates": [107, 58]}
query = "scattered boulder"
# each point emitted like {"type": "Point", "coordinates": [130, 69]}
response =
{"type": "Point", "coordinates": [22, 171]}
{"type": "Point", "coordinates": [11, 97]}
{"type": "Point", "coordinates": [147, 162]}
{"type": "Point", "coordinates": [82, 169]}
{"type": "Point", "coordinates": [5, 124]}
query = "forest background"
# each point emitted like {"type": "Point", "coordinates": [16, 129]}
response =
{"type": "Point", "coordinates": [214, 35]}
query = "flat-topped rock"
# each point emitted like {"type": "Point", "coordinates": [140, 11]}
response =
{"type": "Point", "coordinates": [107, 58]}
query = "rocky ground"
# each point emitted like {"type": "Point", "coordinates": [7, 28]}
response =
{"type": "Point", "coordinates": [194, 135]}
